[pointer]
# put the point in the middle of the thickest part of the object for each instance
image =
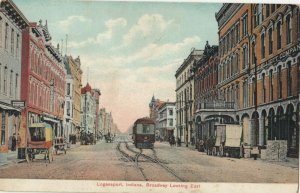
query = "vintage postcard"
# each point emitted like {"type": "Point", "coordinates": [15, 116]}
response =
{"type": "Point", "coordinates": [148, 96]}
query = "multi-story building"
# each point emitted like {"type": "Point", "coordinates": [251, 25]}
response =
{"type": "Point", "coordinates": [71, 121]}
{"type": "Point", "coordinates": [258, 71]}
{"type": "Point", "coordinates": [167, 120]}
{"type": "Point", "coordinates": [153, 112]}
{"type": "Point", "coordinates": [43, 81]}
{"type": "Point", "coordinates": [96, 94]}
{"type": "Point", "coordinates": [12, 23]}
{"type": "Point", "coordinates": [185, 98]}
{"type": "Point", "coordinates": [206, 92]}
{"type": "Point", "coordinates": [101, 120]}
{"type": "Point", "coordinates": [88, 110]}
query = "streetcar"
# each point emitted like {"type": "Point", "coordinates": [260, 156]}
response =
{"type": "Point", "coordinates": [143, 133]}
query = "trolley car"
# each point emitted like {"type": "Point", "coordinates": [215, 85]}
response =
{"type": "Point", "coordinates": [143, 133]}
{"type": "Point", "coordinates": [40, 141]}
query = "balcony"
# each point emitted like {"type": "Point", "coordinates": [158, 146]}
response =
{"type": "Point", "coordinates": [216, 105]}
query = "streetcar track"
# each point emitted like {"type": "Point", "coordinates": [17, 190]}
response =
{"type": "Point", "coordinates": [156, 161]}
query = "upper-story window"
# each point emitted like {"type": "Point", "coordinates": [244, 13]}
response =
{"type": "Point", "coordinates": [272, 8]}
{"type": "Point", "coordinates": [289, 79]}
{"type": "Point", "coordinates": [279, 34]}
{"type": "Point", "coordinates": [270, 35]}
{"type": "Point", "coordinates": [171, 112]}
{"type": "Point", "coordinates": [253, 91]}
{"type": "Point", "coordinates": [258, 14]}
{"type": "Point", "coordinates": [6, 36]}
{"type": "Point", "coordinates": [16, 85]}
{"type": "Point", "coordinates": [11, 83]}
{"type": "Point", "coordinates": [253, 52]}
{"type": "Point", "coordinates": [245, 25]}
{"type": "Point", "coordinates": [1, 31]}
{"type": "Point", "coordinates": [271, 84]}
{"type": "Point", "coordinates": [237, 32]}
{"type": "Point", "coordinates": [262, 46]}
{"type": "Point", "coordinates": [17, 45]}
{"type": "Point", "coordinates": [267, 10]}
{"type": "Point", "coordinates": [245, 56]}
{"type": "Point", "coordinates": [279, 83]}
{"type": "Point", "coordinates": [12, 41]}
{"type": "Point", "coordinates": [5, 80]}
{"type": "Point", "coordinates": [263, 87]}
{"type": "Point", "coordinates": [288, 29]}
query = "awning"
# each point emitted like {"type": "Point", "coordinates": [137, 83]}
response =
{"type": "Point", "coordinates": [6, 107]}
{"type": "Point", "coordinates": [50, 120]}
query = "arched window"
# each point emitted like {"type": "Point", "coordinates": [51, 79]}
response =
{"type": "Point", "coordinates": [279, 82]}
{"type": "Point", "coordinates": [279, 34]}
{"type": "Point", "coordinates": [270, 35]}
{"type": "Point", "coordinates": [271, 84]}
{"type": "Point", "coordinates": [288, 29]}
{"type": "Point", "coordinates": [263, 82]}
{"type": "Point", "coordinates": [262, 46]}
{"type": "Point", "coordinates": [245, 56]}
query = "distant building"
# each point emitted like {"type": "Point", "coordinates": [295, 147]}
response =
{"type": "Point", "coordinates": [185, 98]}
{"type": "Point", "coordinates": [88, 110]}
{"type": "Point", "coordinates": [153, 112]}
{"type": "Point", "coordinates": [167, 120]}
{"type": "Point", "coordinates": [12, 23]}
{"type": "Point", "coordinates": [96, 94]}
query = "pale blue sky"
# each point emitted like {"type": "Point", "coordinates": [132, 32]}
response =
{"type": "Point", "coordinates": [132, 49]}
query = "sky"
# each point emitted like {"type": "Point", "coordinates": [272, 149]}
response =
{"type": "Point", "coordinates": [128, 50]}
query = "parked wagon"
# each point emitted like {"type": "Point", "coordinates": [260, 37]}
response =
{"type": "Point", "coordinates": [60, 145]}
{"type": "Point", "coordinates": [39, 142]}
{"type": "Point", "coordinates": [228, 140]}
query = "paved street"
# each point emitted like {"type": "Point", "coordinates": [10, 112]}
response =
{"type": "Point", "coordinates": [104, 162]}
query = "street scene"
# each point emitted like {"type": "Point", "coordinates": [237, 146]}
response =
{"type": "Point", "coordinates": [149, 92]}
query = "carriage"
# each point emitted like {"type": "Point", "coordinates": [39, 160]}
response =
{"type": "Point", "coordinates": [40, 141]}
{"type": "Point", "coordinates": [228, 140]}
{"type": "Point", "coordinates": [143, 133]}
{"type": "Point", "coordinates": [60, 145]}
{"type": "Point", "coordinates": [87, 138]}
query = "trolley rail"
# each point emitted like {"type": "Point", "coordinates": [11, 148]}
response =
{"type": "Point", "coordinates": [153, 159]}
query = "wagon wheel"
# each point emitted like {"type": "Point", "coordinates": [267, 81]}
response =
{"type": "Point", "coordinates": [221, 150]}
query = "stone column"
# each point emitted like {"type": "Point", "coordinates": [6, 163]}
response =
{"type": "Point", "coordinates": [261, 131]}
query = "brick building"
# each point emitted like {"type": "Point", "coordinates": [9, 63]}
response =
{"type": "Point", "coordinates": [258, 73]}
{"type": "Point", "coordinates": [12, 23]}
{"type": "Point", "coordinates": [206, 93]}
{"type": "Point", "coordinates": [43, 81]}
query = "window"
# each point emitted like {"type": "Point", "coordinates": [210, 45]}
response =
{"type": "Point", "coordinates": [253, 52]}
{"type": "Point", "coordinates": [237, 33]}
{"type": "Point", "coordinates": [245, 93]}
{"type": "Point", "coordinates": [5, 80]}
{"type": "Point", "coordinates": [3, 128]}
{"type": "Point", "coordinates": [272, 8]}
{"type": "Point", "coordinates": [171, 122]}
{"type": "Point", "coordinates": [270, 35]}
{"type": "Point", "coordinates": [16, 85]}
{"type": "Point", "coordinates": [245, 56]}
{"type": "Point", "coordinates": [232, 38]}
{"type": "Point", "coordinates": [245, 25]}
{"type": "Point", "coordinates": [267, 10]}
{"type": "Point", "coordinates": [279, 83]}
{"type": "Point", "coordinates": [11, 83]}
{"type": "Point", "coordinates": [6, 36]}
{"type": "Point", "coordinates": [68, 89]}
{"type": "Point", "coordinates": [262, 46]}
{"type": "Point", "coordinates": [68, 108]}
{"type": "Point", "coordinates": [1, 32]}
{"type": "Point", "coordinates": [258, 13]}
{"type": "Point", "coordinates": [271, 85]}
{"type": "Point", "coordinates": [289, 79]}
{"type": "Point", "coordinates": [17, 45]}
{"type": "Point", "coordinates": [12, 39]}
{"type": "Point", "coordinates": [253, 91]}
{"type": "Point", "coordinates": [171, 112]}
{"type": "Point", "coordinates": [288, 29]}
{"type": "Point", "coordinates": [279, 33]}
{"type": "Point", "coordinates": [263, 88]}
{"type": "Point", "coordinates": [237, 62]}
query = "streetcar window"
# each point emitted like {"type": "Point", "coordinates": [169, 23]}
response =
{"type": "Point", "coordinates": [145, 129]}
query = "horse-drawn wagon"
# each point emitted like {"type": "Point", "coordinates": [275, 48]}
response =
{"type": "Point", "coordinates": [39, 142]}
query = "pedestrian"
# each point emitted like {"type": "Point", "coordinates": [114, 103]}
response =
{"type": "Point", "coordinates": [14, 142]}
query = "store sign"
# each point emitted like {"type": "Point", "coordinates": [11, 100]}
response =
{"type": "Point", "coordinates": [289, 52]}
{"type": "Point", "coordinates": [18, 104]}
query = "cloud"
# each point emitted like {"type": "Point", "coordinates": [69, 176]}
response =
{"type": "Point", "coordinates": [101, 37]}
{"type": "Point", "coordinates": [146, 27]}
{"type": "Point", "coordinates": [65, 24]}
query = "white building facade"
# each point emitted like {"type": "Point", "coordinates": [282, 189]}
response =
{"type": "Point", "coordinates": [88, 110]}
{"type": "Point", "coordinates": [167, 120]}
